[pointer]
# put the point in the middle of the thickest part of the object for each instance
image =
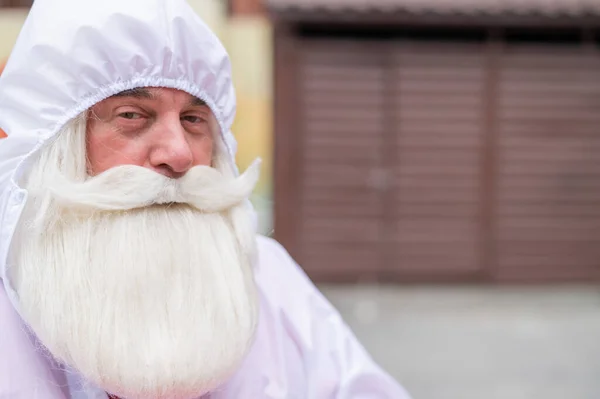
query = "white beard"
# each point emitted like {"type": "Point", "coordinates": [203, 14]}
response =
{"type": "Point", "coordinates": [150, 302]}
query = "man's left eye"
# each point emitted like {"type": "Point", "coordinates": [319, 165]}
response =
{"type": "Point", "coordinates": [130, 115]}
{"type": "Point", "coordinates": [193, 119]}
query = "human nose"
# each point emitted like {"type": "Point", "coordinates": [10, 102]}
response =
{"type": "Point", "coordinates": [172, 155]}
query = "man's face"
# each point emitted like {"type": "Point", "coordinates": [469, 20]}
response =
{"type": "Point", "coordinates": [138, 272]}
{"type": "Point", "coordinates": [165, 130]}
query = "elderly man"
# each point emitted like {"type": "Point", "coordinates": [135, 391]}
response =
{"type": "Point", "coordinates": [129, 261]}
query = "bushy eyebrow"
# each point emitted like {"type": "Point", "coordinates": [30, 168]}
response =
{"type": "Point", "coordinates": [198, 102]}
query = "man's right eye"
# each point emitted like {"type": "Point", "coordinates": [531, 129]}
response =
{"type": "Point", "coordinates": [130, 115]}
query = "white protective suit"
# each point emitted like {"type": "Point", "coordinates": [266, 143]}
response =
{"type": "Point", "coordinates": [70, 55]}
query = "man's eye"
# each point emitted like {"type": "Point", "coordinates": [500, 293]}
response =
{"type": "Point", "coordinates": [130, 115]}
{"type": "Point", "coordinates": [193, 119]}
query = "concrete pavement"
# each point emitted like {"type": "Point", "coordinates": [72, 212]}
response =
{"type": "Point", "coordinates": [480, 342]}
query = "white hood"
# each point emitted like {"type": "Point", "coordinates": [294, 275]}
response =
{"type": "Point", "coordinates": [71, 54]}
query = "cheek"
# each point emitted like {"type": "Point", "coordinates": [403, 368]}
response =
{"type": "Point", "coordinates": [203, 151]}
{"type": "Point", "coordinates": [107, 149]}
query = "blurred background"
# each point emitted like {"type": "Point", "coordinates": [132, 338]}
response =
{"type": "Point", "coordinates": [434, 166]}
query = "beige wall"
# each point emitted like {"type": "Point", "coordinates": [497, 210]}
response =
{"type": "Point", "coordinates": [11, 21]}
{"type": "Point", "coordinates": [249, 43]}
{"type": "Point", "coordinates": [213, 12]}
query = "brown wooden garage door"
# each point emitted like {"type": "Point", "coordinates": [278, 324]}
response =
{"type": "Point", "coordinates": [341, 215]}
{"type": "Point", "coordinates": [439, 101]}
{"type": "Point", "coordinates": [436, 160]}
{"type": "Point", "coordinates": [548, 182]}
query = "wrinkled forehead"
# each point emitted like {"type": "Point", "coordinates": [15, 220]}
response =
{"type": "Point", "coordinates": [159, 94]}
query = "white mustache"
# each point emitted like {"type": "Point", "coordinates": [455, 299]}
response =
{"type": "Point", "coordinates": [129, 187]}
